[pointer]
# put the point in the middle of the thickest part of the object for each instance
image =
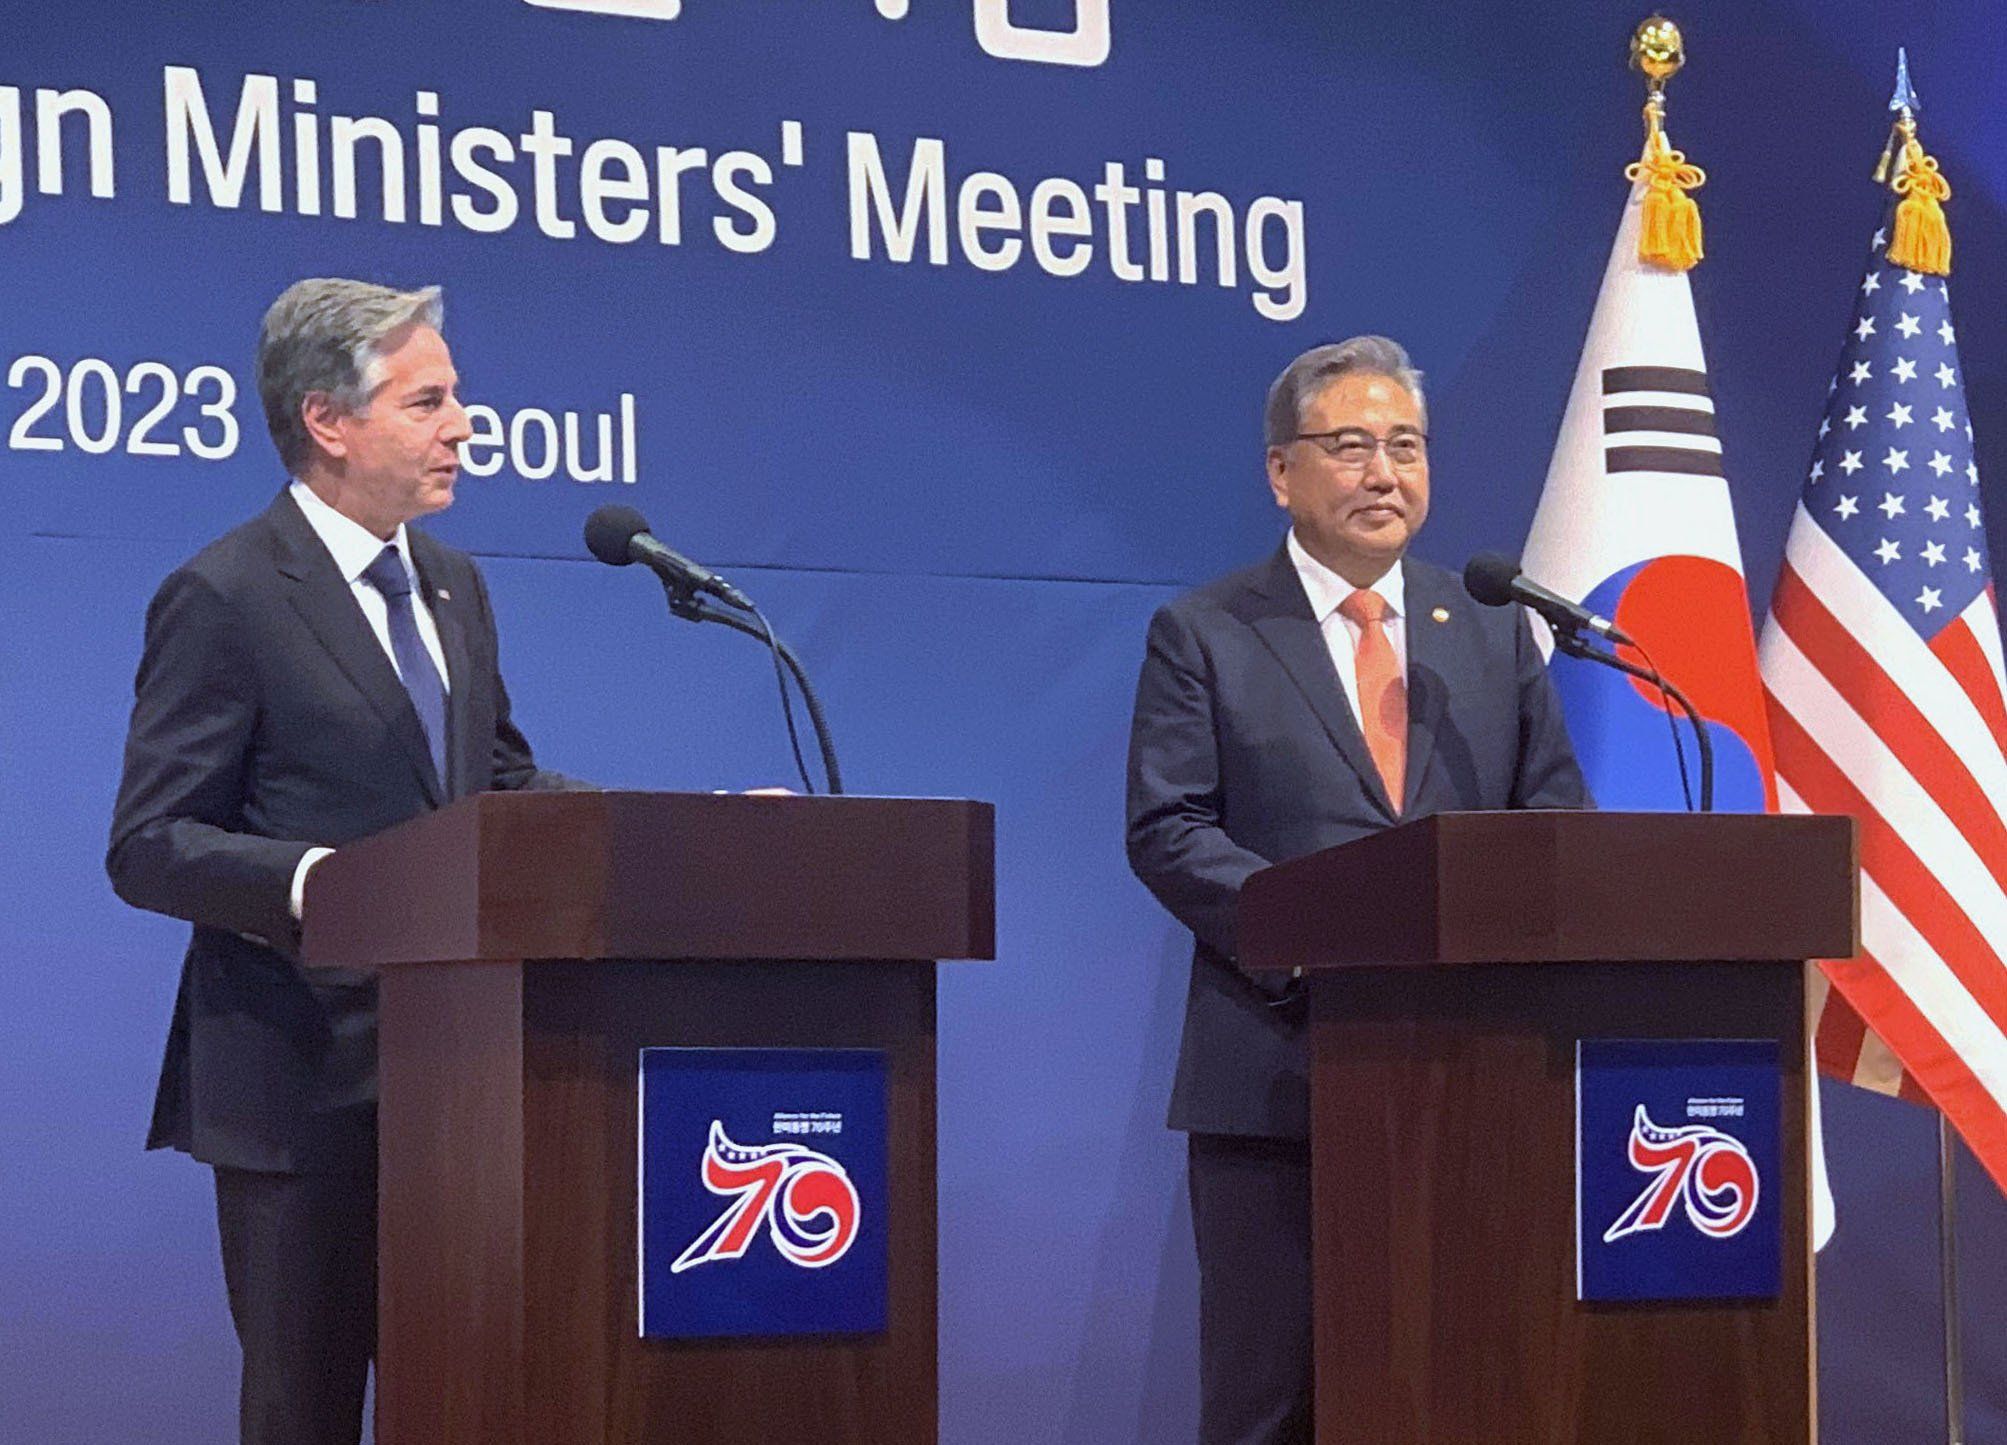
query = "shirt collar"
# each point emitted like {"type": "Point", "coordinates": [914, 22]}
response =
{"type": "Point", "coordinates": [1326, 589]}
{"type": "Point", "coordinates": [352, 545]}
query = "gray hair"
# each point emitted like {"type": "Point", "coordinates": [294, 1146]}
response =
{"type": "Point", "coordinates": [1311, 372]}
{"type": "Point", "coordinates": [327, 334]}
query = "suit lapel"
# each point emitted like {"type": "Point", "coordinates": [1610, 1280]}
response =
{"type": "Point", "coordinates": [327, 606]}
{"type": "Point", "coordinates": [446, 616]}
{"type": "Point", "coordinates": [1284, 622]}
{"type": "Point", "coordinates": [1429, 642]}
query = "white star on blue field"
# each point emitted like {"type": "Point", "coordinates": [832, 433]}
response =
{"type": "Point", "coordinates": [1893, 479]}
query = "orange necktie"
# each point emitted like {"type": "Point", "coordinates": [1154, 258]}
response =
{"type": "Point", "coordinates": [1383, 692]}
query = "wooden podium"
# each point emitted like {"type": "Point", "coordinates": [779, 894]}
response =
{"type": "Point", "coordinates": [529, 945]}
{"type": "Point", "coordinates": [1453, 964]}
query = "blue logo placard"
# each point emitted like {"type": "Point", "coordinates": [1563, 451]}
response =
{"type": "Point", "coordinates": [763, 1192]}
{"type": "Point", "coordinates": [1678, 1169]}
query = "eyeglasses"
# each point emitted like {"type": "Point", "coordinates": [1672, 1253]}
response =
{"type": "Point", "coordinates": [1353, 450]}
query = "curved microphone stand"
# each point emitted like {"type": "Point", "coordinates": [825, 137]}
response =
{"type": "Point", "coordinates": [689, 606]}
{"type": "Point", "coordinates": [1572, 642]}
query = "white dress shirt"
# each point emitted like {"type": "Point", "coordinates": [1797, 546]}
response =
{"type": "Point", "coordinates": [1326, 590]}
{"type": "Point", "coordinates": [353, 547]}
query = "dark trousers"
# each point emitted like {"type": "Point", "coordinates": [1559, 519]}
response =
{"type": "Point", "coordinates": [299, 1261]}
{"type": "Point", "coordinates": [1251, 1222]}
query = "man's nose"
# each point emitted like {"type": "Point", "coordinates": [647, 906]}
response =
{"type": "Point", "coordinates": [1379, 470]}
{"type": "Point", "coordinates": [456, 427]}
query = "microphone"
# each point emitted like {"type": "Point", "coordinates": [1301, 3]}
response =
{"type": "Point", "coordinates": [618, 536]}
{"type": "Point", "coordinates": [1497, 582]}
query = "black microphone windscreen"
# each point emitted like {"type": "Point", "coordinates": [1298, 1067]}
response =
{"type": "Point", "coordinates": [610, 532]}
{"type": "Point", "coordinates": [1488, 577]}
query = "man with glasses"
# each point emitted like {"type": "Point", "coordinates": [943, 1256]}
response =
{"type": "Point", "coordinates": [1335, 689]}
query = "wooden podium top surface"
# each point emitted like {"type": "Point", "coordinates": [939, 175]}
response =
{"type": "Point", "coordinates": [590, 875]}
{"type": "Point", "coordinates": [1533, 887]}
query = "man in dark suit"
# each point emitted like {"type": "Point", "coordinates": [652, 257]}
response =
{"type": "Point", "coordinates": [1335, 689]}
{"type": "Point", "coordinates": [311, 678]}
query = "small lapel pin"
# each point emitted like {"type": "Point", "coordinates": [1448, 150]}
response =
{"type": "Point", "coordinates": [445, 596]}
{"type": "Point", "coordinates": [1441, 614]}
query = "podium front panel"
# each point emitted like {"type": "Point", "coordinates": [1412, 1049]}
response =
{"type": "Point", "coordinates": [1443, 1114]}
{"type": "Point", "coordinates": [509, 1261]}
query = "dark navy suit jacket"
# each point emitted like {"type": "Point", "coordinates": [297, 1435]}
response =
{"type": "Point", "coordinates": [267, 719]}
{"type": "Point", "coordinates": [1245, 752]}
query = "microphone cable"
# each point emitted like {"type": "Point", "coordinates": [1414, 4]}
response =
{"type": "Point", "coordinates": [787, 706]}
{"type": "Point", "coordinates": [612, 534]}
{"type": "Point", "coordinates": [1658, 680]}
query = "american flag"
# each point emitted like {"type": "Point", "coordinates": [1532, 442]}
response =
{"type": "Point", "coordinates": [1881, 661]}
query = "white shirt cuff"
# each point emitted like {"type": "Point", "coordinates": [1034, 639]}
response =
{"type": "Point", "coordinates": [306, 864]}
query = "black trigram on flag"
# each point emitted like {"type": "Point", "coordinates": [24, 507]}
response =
{"type": "Point", "coordinates": [1659, 419]}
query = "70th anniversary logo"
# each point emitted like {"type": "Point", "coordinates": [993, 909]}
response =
{"type": "Point", "coordinates": [1086, 43]}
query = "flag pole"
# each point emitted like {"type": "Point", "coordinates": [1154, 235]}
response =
{"type": "Point", "coordinates": [1923, 243]}
{"type": "Point", "coordinates": [1947, 1239]}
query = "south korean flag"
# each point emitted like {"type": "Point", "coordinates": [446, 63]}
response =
{"type": "Point", "coordinates": [1637, 471]}
{"type": "Point", "coordinates": [1635, 523]}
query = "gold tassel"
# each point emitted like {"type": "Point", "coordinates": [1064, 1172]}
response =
{"type": "Point", "coordinates": [1922, 240]}
{"type": "Point", "coordinates": [1669, 232]}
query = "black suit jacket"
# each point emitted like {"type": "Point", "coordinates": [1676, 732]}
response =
{"type": "Point", "coordinates": [1245, 752]}
{"type": "Point", "coordinates": [267, 719]}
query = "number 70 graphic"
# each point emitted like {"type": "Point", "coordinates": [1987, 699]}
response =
{"type": "Point", "coordinates": [1086, 44]}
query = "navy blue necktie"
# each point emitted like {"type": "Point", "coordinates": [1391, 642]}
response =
{"type": "Point", "coordinates": [414, 664]}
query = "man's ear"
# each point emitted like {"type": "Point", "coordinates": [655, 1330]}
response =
{"type": "Point", "coordinates": [323, 421]}
{"type": "Point", "coordinates": [1278, 477]}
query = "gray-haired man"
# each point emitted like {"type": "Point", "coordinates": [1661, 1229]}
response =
{"type": "Point", "coordinates": [317, 675]}
{"type": "Point", "coordinates": [1333, 690]}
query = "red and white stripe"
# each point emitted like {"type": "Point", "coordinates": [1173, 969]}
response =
{"type": "Point", "coordinates": [1911, 739]}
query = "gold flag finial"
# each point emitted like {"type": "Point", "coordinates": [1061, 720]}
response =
{"type": "Point", "coordinates": [1658, 51]}
{"type": "Point", "coordinates": [1921, 239]}
{"type": "Point", "coordinates": [1669, 233]}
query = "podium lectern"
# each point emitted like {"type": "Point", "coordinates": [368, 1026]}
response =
{"type": "Point", "coordinates": [1454, 963]}
{"type": "Point", "coordinates": [528, 946]}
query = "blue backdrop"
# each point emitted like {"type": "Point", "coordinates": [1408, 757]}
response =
{"type": "Point", "coordinates": [959, 490]}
